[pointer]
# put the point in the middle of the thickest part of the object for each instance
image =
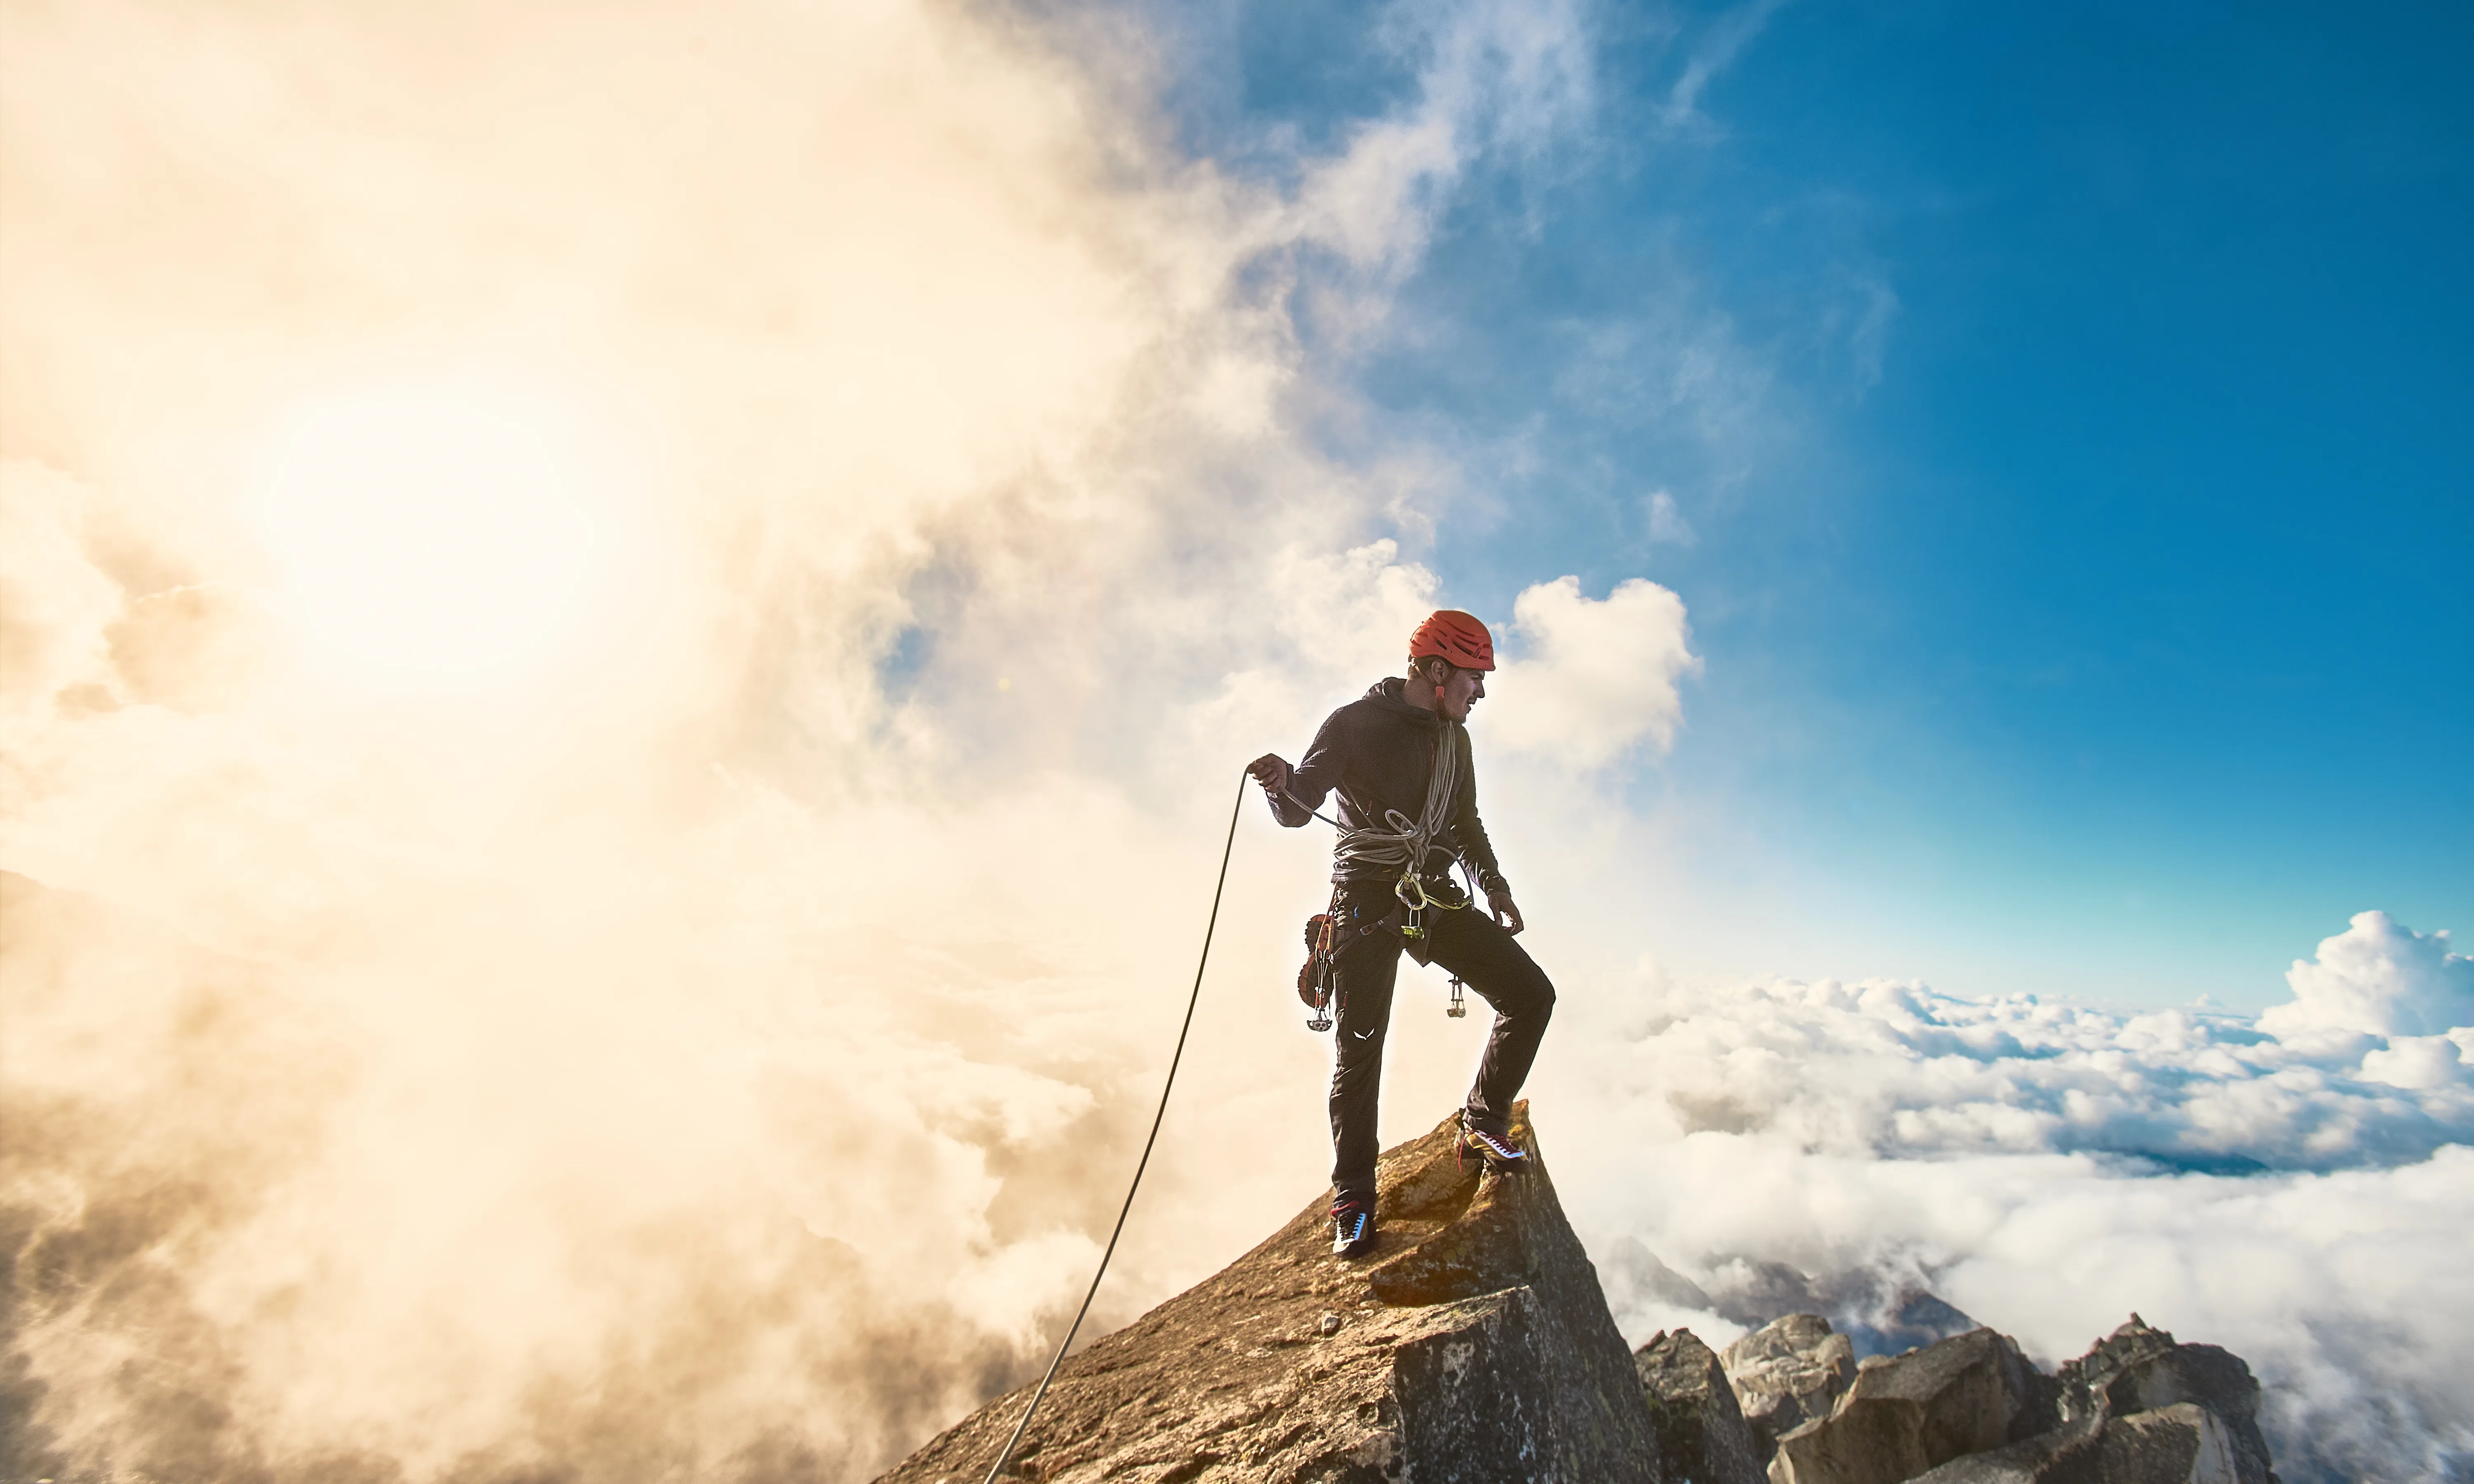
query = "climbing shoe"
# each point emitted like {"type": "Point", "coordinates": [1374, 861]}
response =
{"type": "Point", "coordinates": [1352, 1229]}
{"type": "Point", "coordinates": [1497, 1150]}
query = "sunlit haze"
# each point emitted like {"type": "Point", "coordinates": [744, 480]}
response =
{"type": "Point", "coordinates": [429, 531]}
{"type": "Point", "coordinates": [625, 635]}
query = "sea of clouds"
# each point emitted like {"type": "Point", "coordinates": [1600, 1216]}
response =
{"type": "Point", "coordinates": [710, 1043]}
{"type": "Point", "coordinates": [2292, 1187]}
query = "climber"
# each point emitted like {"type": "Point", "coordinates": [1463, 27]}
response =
{"type": "Point", "coordinates": [1398, 758]}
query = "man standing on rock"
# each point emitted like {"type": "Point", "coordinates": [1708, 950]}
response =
{"type": "Point", "coordinates": [1398, 758]}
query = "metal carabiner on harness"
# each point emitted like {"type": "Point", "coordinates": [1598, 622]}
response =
{"type": "Point", "coordinates": [1412, 893]}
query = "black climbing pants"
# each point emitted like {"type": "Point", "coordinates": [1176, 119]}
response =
{"type": "Point", "coordinates": [1489, 961]}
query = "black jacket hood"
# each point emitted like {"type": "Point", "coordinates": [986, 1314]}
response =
{"type": "Point", "coordinates": [1390, 694]}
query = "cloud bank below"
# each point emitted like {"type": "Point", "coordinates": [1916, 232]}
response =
{"type": "Point", "coordinates": [2285, 1188]}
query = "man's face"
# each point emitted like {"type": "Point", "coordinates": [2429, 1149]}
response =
{"type": "Point", "coordinates": [1459, 691]}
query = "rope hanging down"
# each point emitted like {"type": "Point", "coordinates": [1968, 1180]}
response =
{"type": "Point", "coordinates": [1191, 1000]}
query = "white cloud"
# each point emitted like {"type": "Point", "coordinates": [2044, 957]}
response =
{"type": "Point", "coordinates": [1667, 523]}
{"type": "Point", "coordinates": [2378, 980]}
{"type": "Point", "coordinates": [722, 1044]}
{"type": "Point", "coordinates": [1726, 36]}
{"type": "Point", "coordinates": [2417, 1062]}
{"type": "Point", "coordinates": [1491, 76]}
{"type": "Point", "coordinates": [53, 641]}
{"type": "Point", "coordinates": [2049, 1168]}
{"type": "Point", "coordinates": [1593, 678]}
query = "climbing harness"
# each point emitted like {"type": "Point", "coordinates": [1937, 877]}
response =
{"type": "Point", "coordinates": [1411, 890]}
{"type": "Point", "coordinates": [1405, 843]}
{"type": "Point", "coordinates": [1005, 1455]}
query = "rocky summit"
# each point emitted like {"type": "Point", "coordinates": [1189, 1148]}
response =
{"type": "Point", "coordinates": [1472, 1345]}
{"type": "Point", "coordinates": [2139, 1408]}
{"type": "Point", "coordinates": [1702, 1434]}
{"type": "Point", "coordinates": [1901, 1417]}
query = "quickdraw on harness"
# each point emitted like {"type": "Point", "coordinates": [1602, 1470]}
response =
{"type": "Point", "coordinates": [1314, 980]}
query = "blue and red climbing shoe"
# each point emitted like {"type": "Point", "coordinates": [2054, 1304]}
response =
{"type": "Point", "coordinates": [1352, 1229]}
{"type": "Point", "coordinates": [1500, 1154]}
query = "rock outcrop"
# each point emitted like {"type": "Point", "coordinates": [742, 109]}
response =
{"type": "Point", "coordinates": [1702, 1435]}
{"type": "Point", "coordinates": [1474, 1347]}
{"type": "Point", "coordinates": [1906, 1415]}
{"type": "Point", "coordinates": [1788, 1372]}
{"type": "Point", "coordinates": [2139, 1408]}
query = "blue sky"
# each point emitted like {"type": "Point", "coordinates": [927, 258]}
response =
{"type": "Point", "coordinates": [2064, 415]}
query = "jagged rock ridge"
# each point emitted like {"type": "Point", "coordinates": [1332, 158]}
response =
{"type": "Point", "coordinates": [2139, 1408]}
{"type": "Point", "coordinates": [1474, 1347]}
{"type": "Point", "coordinates": [1901, 1417]}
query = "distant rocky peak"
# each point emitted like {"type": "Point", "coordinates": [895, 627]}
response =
{"type": "Point", "coordinates": [1788, 1372]}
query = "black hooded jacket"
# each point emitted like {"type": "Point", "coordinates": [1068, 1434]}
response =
{"type": "Point", "coordinates": [1377, 753]}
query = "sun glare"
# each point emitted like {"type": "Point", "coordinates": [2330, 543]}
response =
{"type": "Point", "coordinates": [432, 532]}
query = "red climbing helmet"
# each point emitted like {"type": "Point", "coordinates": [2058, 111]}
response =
{"type": "Point", "coordinates": [1451, 635]}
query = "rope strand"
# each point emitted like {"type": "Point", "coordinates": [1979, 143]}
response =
{"type": "Point", "coordinates": [1225, 851]}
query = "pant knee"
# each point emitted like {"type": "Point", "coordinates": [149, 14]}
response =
{"type": "Point", "coordinates": [1536, 997]}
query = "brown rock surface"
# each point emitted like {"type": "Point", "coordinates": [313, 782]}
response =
{"type": "Point", "coordinates": [2182, 1443]}
{"type": "Point", "coordinates": [2170, 1444]}
{"type": "Point", "coordinates": [2137, 1369]}
{"type": "Point", "coordinates": [1702, 1435]}
{"type": "Point", "coordinates": [1965, 1395]}
{"type": "Point", "coordinates": [1788, 1372]}
{"type": "Point", "coordinates": [1474, 1346]}
{"type": "Point", "coordinates": [2138, 1408]}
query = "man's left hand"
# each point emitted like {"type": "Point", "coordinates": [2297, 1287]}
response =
{"type": "Point", "coordinates": [1506, 915]}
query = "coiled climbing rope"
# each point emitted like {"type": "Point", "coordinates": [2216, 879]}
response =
{"type": "Point", "coordinates": [1404, 846]}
